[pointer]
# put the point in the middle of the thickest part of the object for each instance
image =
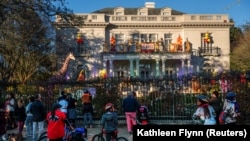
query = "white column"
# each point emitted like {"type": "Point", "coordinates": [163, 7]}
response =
{"type": "Point", "coordinates": [163, 67]}
{"type": "Point", "coordinates": [157, 67]}
{"type": "Point", "coordinates": [131, 61]}
{"type": "Point", "coordinates": [111, 69]}
{"type": "Point", "coordinates": [182, 64]}
{"type": "Point", "coordinates": [137, 67]}
{"type": "Point", "coordinates": [188, 66]}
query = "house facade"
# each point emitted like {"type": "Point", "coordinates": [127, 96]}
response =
{"type": "Point", "coordinates": [145, 42]}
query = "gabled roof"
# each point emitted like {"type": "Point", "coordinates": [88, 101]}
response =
{"type": "Point", "coordinates": [133, 11]}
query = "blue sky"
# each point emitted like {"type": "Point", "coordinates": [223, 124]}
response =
{"type": "Point", "coordinates": [237, 9]}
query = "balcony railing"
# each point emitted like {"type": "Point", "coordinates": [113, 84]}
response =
{"type": "Point", "coordinates": [209, 51]}
{"type": "Point", "coordinates": [149, 49]}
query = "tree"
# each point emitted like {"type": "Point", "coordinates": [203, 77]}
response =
{"type": "Point", "coordinates": [26, 37]}
{"type": "Point", "coordinates": [240, 56]}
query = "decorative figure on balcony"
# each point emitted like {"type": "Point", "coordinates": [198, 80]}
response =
{"type": "Point", "coordinates": [179, 43]}
{"type": "Point", "coordinates": [172, 47]}
{"type": "Point", "coordinates": [112, 43]}
{"type": "Point", "coordinates": [187, 45]}
{"type": "Point", "coordinates": [81, 76]}
{"type": "Point", "coordinates": [207, 39]}
{"type": "Point", "coordinates": [60, 75]}
{"type": "Point", "coordinates": [79, 41]}
{"type": "Point", "coordinates": [162, 45]}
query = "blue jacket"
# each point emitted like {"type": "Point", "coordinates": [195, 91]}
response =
{"type": "Point", "coordinates": [130, 104]}
{"type": "Point", "coordinates": [38, 110]}
{"type": "Point", "coordinates": [109, 121]}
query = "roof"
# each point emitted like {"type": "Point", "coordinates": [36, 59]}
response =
{"type": "Point", "coordinates": [133, 11]}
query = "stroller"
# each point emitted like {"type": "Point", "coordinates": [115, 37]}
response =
{"type": "Point", "coordinates": [142, 115]}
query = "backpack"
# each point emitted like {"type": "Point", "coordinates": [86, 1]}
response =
{"type": "Point", "coordinates": [86, 98]}
{"type": "Point", "coordinates": [222, 117]}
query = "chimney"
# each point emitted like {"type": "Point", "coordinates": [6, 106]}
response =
{"type": "Point", "coordinates": [149, 4]}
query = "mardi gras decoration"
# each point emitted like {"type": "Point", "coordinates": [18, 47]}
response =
{"type": "Point", "coordinates": [112, 43]}
{"type": "Point", "coordinates": [79, 39]}
{"type": "Point", "coordinates": [179, 43]}
{"type": "Point", "coordinates": [207, 38]}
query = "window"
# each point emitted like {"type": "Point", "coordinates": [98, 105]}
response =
{"type": "Point", "coordinates": [119, 38]}
{"type": "Point", "coordinates": [206, 17]}
{"type": "Point", "coordinates": [144, 38]}
{"type": "Point", "coordinates": [167, 40]}
{"type": "Point", "coordinates": [118, 13]}
{"type": "Point", "coordinates": [143, 13]}
{"type": "Point", "coordinates": [145, 70]}
{"type": "Point", "coordinates": [135, 37]}
{"type": "Point", "coordinates": [94, 17]}
{"type": "Point", "coordinates": [193, 17]}
{"type": "Point", "coordinates": [152, 37]}
{"type": "Point", "coordinates": [218, 18]}
{"type": "Point", "coordinates": [166, 13]}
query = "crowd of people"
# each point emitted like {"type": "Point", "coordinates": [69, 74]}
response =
{"type": "Point", "coordinates": [14, 113]}
{"type": "Point", "coordinates": [213, 112]}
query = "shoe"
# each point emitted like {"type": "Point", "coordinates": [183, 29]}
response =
{"type": "Point", "coordinates": [131, 133]}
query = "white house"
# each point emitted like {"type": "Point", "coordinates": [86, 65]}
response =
{"type": "Point", "coordinates": [146, 42]}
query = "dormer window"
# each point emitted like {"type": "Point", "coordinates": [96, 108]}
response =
{"type": "Point", "coordinates": [166, 11]}
{"type": "Point", "coordinates": [143, 13]}
{"type": "Point", "coordinates": [118, 13]}
{"type": "Point", "coordinates": [166, 14]}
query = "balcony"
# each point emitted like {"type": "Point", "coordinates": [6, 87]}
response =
{"type": "Point", "coordinates": [209, 51]}
{"type": "Point", "coordinates": [148, 48]}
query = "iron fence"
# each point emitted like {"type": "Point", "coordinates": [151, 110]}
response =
{"type": "Point", "coordinates": [171, 100]}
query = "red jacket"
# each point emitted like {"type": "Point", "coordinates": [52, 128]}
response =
{"type": "Point", "coordinates": [56, 126]}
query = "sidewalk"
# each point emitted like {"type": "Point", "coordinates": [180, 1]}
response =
{"type": "Point", "coordinates": [91, 132]}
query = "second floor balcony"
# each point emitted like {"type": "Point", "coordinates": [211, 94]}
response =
{"type": "Point", "coordinates": [209, 51]}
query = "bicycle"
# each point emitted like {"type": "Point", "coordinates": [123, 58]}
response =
{"type": "Point", "coordinates": [100, 136]}
{"type": "Point", "coordinates": [71, 134]}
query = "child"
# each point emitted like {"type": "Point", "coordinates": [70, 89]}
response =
{"type": "Point", "coordinates": [205, 113]}
{"type": "Point", "coordinates": [110, 122]}
{"type": "Point", "coordinates": [142, 114]}
{"type": "Point", "coordinates": [20, 117]}
{"type": "Point", "coordinates": [230, 110]}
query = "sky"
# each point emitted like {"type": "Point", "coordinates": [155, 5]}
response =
{"type": "Point", "coordinates": [236, 9]}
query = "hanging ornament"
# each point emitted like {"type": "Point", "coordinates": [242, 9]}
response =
{"type": "Point", "coordinates": [79, 39]}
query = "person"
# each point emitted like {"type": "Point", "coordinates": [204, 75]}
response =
{"type": "Point", "coordinates": [3, 121]}
{"type": "Point", "coordinates": [86, 97]}
{"type": "Point", "coordinates": [38, 111]}
{"type": "Point", "coordinates": [88, 112]}
{"type": "Point", "coordinates": [142, 114]}
{"type": "Point", "coordinates": [109, 122]}
{"type": "Point", "coordinates": [20, 117]}
{"type": "Point", "coordinates": [215, 102]}
{"type": "Point", "coordinates": [56, 123]}
{"type": "Point", "coordinates": [64, 103]}
{"type": "Point", "coordinates": [10, 108]}
{"type": "Point", "coordinates": [29, 116]}
{"type": "Point", "coordinates": [61, 96]}
{"type": "Point", "coordinates": [130, 105]}
{"type": "Point", "coordinates": [204, 113]}
{"type": "Point", "coordinates": [71, 114]}
{"type": "Point", "coordinates": [230, 109]}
